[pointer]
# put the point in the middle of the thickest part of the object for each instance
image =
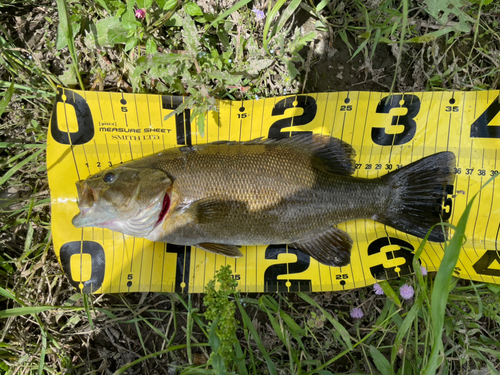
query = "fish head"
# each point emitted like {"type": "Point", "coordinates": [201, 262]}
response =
{"type": "Point", "coordinates": [125, 199]}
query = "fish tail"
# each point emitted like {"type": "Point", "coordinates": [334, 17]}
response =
{"type": "Point", "coordinates": [417, 196]}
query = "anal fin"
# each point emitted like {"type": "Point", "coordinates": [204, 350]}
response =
{"type": "Point", "coordinates": [332, 248]}
{"type": "Point", "coordinates": [232, 251]}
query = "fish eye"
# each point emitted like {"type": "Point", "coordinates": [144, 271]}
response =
{"type": "Point", "coordinates": [109, 177]}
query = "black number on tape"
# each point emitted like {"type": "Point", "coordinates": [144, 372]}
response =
{"type": "Point", "coordinates": [74, 250]}
{"type": "Point", "coordinates": [412, 104]}
{"type": "Point", "coordinates": [310, 107]}
{"type": "Point", "coordinates": [447, 203]}
{"type": "Point", "coordinates": [482, 265]}
{"type": "Point", "coordinates": [83, 115]}
{"type": "Point", "coordinates": [183, 265]}
{"type": "Point", "coordinates": [271, 282]}
{"type": "Point", "coordinates": [382, 273]}
{"type": "Point", "coordinates": [182, 120]}
{"type": "Point", "coordinates": [480, 128]}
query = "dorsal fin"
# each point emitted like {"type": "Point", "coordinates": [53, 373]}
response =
{"type": "Point", "coordinates": [331, 154]}
{"type": "Point", "coordinates": [328, 153]}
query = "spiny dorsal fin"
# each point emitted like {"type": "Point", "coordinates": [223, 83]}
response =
{"type": "Point", "coordinates": [328, 153]}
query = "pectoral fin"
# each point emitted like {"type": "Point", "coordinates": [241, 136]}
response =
{"type": "Point", "coordinates": [232, 251]}
{"type": "Point", "coordinates": [214, 209]}
{"type": "Point", "coordinates": [332, 248]}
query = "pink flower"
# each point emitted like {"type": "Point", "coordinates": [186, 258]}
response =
{"type": "Point", "coordinates": [356, 313]}
{"type": "Point", "coordinates": [424, 270]}
{"type": "Point", "coordinates": [140, 14]}
{"type": "Point", "coordinates": [378, 289]}
{"type": "Point", "coordinates": [406, 291]}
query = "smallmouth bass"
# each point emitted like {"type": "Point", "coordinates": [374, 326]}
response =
{"type": "Point", "coordinates": [224, 195]}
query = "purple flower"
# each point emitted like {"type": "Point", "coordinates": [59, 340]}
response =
{"type": "Point", "coordinates": [259, 14]}
{"type": "Point", "coordinates": [424, 270]}
{"type": "Point", "coordinates": [140, 14]}
{"type": "Point", "coordinates": [356, 313]}
{"type": "Point", "coordinates": [378, 289]}
{"type": "Point", "coordinates": [406, 291]}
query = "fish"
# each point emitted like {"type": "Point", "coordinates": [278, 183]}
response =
{"type": "Point", "coordinates": [223, 195]}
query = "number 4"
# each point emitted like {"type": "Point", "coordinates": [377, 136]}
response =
{"type": "Point", "coordinates": [480, 128]}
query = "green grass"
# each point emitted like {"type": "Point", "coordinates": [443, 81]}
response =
{"type": "Point", "coordinates": [450, 326]}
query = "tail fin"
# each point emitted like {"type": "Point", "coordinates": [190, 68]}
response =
{"type": "Point", "coordinates": [419, 192]}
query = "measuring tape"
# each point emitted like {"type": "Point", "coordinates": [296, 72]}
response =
{"type": "Point", "coordinates": [90, 131]}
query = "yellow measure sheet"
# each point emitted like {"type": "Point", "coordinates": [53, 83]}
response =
{"type": "Point", "coordinates": [90, 131]}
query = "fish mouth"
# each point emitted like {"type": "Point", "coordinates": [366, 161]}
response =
{"type": "Point", "coordinates": [86, 199]}
{"type": "Point", "coordinates": [164, 209]}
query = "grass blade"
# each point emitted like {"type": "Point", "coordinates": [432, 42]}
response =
{"type": "Point", "coordinates": [234, 8]}
{"type": "Point", "coordinates": [339, 327]}
{"type": "Point", "coordinates": [381, 362]}
{"type": "Point", "coordinates": [17, 167]}
{"type": "Point", "coordinates": [406, 325]}
{"type": "Point", "coordinates": [253, 331]}
{"type": "Point", "coordinates": [439, 297]}
{"type": "Point", "coordinates": [67, 29]}
{"type": "Point", "coordinates": [270, 15]}
{"type": "Point", "coordinates": [6, 98]}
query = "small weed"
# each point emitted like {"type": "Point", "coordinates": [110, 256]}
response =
{"type": "Point", "coordinates": [220, 313]}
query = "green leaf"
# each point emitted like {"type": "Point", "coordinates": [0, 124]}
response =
{"type": "Point", "coordinates": [381, 362]}
{"type": "Point", "coordinates": [151, 46]}
{"type": "Point", "coordinates": [69, 76]}
{"type": "Point", "coordinates": [61, 40]}
{"type": "Point", "coordinates": [389, 292]}
{"type": "Point", "coordinates": [256, 66]}
{"type": "Point", "coordinates": [109, 31]}
{"type": "Point", "coordinates": [339, 327]}
{"type": "Point", "coordinates": [213, 338]}
{"type": "Point", "coordinates": [129, 21]}
{"type": "Point", "coordinates": [234, 8]}
{"type": "Point", "coordinates": [104, 4]}
{"type": "Point", "coordinates": [6, 98]}
{"type": "Point", "coordinates": [224, 77]}
{"type": "Point", "coordinates": [166, 4]}
{"type": "Point", "coordinates": [144, 4]}
{"type": "Point", "coordinates": [322, 4]}
{"type": "Point", "coordinates": [190, 33]}
{"type": "Point", "coordinates": [494, 288]}
{"type": "Point", "coordinates": [201, 124]}
{"type": "Point", "coordinates": [193, 9]}
{"type": "Point", "coordinates": [132, 42]}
